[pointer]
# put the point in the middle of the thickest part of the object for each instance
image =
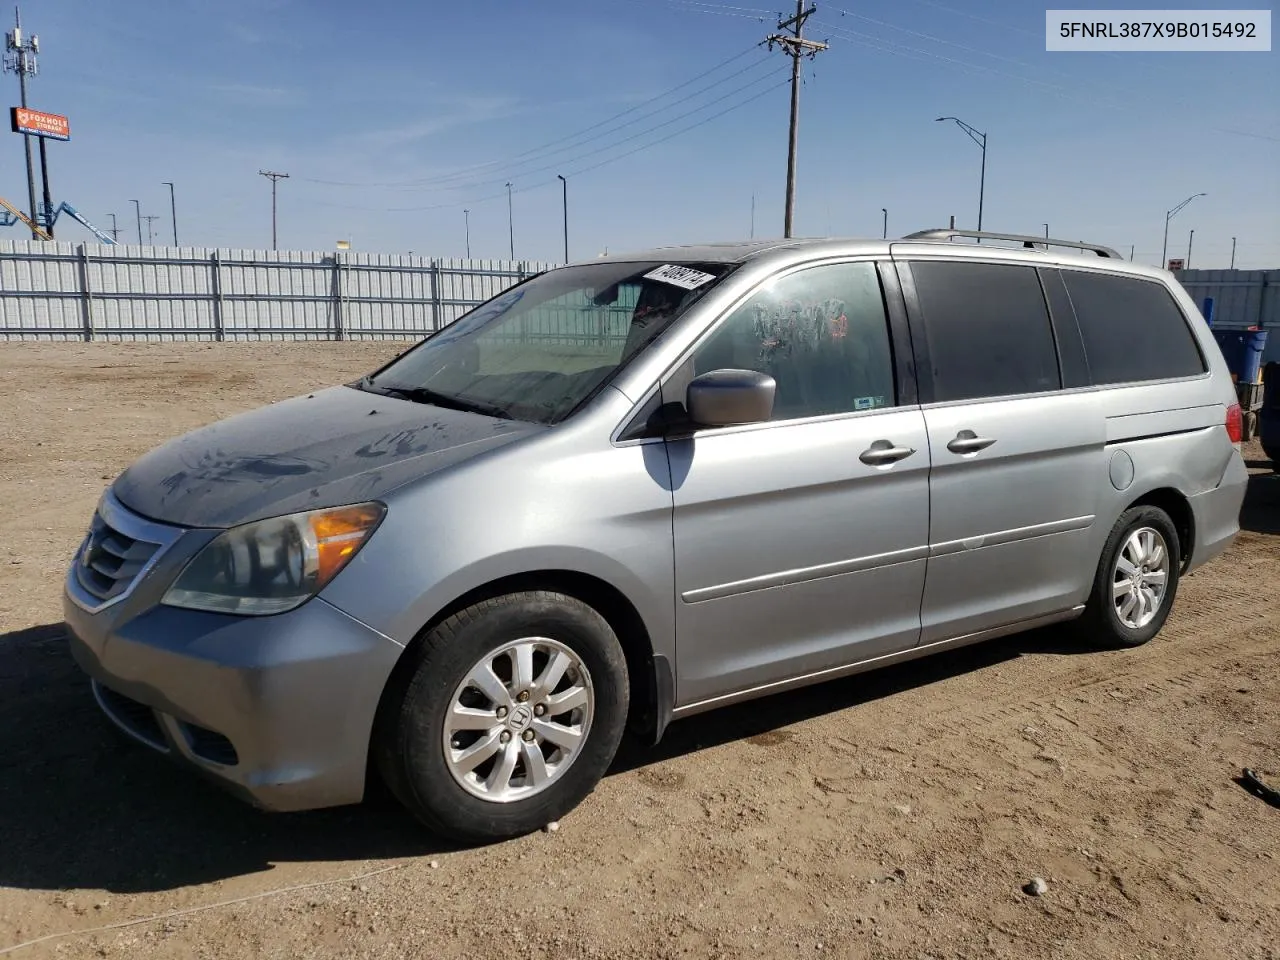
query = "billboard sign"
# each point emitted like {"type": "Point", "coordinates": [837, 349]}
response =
{"type": "Point", "coordinates": [39, 124]}
{"type": "Point", "coordinates": [1176, 263]}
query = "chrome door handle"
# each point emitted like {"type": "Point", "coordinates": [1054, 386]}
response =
{"type": "Point", "coordinates": [883, 452]}
{"type": "Point", "coordinates": [967, 441]}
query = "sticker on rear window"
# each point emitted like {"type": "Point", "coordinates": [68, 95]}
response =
{"type": "Point", "coordinates": [686, 277]}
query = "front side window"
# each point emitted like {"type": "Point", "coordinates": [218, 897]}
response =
{"type": "Point", "coordinates": [1132, 329]}
{"type": "Point", "coordinates": [541, 349]}
{"type": "Point", "coordinates": [821, 333]}
{"type": "Point", "coordinates": [987, 329]}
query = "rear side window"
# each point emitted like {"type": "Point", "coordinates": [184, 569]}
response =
{"type": "Point", "coordinates": [1132, 329]}
{"type": "Point", "coordinates": [987, 328]}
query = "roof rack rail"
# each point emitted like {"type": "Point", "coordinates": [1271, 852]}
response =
{"type": "Point", "coordinates": [1026, 240]}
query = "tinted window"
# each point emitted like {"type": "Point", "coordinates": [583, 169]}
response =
{"type": "Point", "coordinates": [1132, 329]}
{"type": "Point", "coordinates": [821, 333]}
{"type": "Point", "coordinates": [987, 329]}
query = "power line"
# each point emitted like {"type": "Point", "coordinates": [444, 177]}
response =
{"type": "Point", "coordinates": [941, 40]}
{"type": "Point", "coordinates": [572, 173]}
{"type": "Point", "coordinates": [478, 184]}
{"type": "Point", "coordinates": [538, 149]}
{"type": "Point", "coordinates": [463, 179]}
{"type": "Point", "coordinates": [617, 143]}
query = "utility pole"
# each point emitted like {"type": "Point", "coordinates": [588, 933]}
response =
{"type": "Point", "coordinates": [20, 58]}
{"type": "Point", "coordinates": [150, 218]}
{"type": "Point", "coordinates": [511, 230]}
{"type": "Point", "coordinates": [1233, 253]}
{"type": "Point", "coordinates": [115, 231]}
{"type": "Point", "coordinates": [795, 46]}
{"type": "Point", "coordinates": [466, 220]}
{"type": "Point", "coordinates": [564, 184]}
{"type": "Point", "coordinates": [274, 178]}
{"type": "Point", "coordinates": [173, 210]}
{"type": "Point", "coordinates": [137, 212]}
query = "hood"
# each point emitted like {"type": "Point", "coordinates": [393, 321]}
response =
{"type": "Point", "coordinates": [326, 449]}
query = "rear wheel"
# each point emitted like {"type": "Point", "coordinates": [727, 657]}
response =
{"type": "Point", "coordinates": [1136, 581]}
{"type": "Point", "coordinates": [506, 718]}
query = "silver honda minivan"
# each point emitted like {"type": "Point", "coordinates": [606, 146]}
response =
{"type": "Point", "coordinates": [631, 489]}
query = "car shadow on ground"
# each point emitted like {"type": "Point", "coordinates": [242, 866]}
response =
{"type": "Point", "coordinates": [82, 809]}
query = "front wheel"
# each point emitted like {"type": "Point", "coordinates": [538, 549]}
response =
{"type": "Point", "coordinates": [507, 716]}
{"type": "Point", "coordinates": [1136, 580]}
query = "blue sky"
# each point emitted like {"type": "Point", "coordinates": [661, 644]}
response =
{"type": "Point", "coordinates": [444, 103]}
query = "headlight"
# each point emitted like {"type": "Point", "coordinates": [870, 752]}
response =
{"type": "Point", "coordinates": [273, 565]}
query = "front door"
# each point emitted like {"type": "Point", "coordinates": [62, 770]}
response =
{"type": "Point", "coordinates": [801, 543]}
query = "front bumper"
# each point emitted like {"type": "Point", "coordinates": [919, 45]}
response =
{"type": "Point", "coordinates": [278, 709]}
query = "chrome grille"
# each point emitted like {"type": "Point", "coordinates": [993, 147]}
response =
{"type": "Point", "coordinates": [110, 560]}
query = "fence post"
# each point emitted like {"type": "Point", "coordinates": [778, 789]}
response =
{"type": "Point", "coordinates": [215, 264]}
{"type": "Point", "coordinates": [86, 303]}
{"type": "Point", "coordinates": [338, 294]}
{"type": "Point", "coordinates": [435, 295]}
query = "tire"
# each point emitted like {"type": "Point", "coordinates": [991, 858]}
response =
{"type": "Point", "coordinates": [1102, 624]}
{"type": "Point", "coordinates": [421, 752]}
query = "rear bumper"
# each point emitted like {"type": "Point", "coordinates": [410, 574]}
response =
{"type": "Point", "coordinates": [277, 709]}
{"type": "Point", "coordinates": [1216, 514]}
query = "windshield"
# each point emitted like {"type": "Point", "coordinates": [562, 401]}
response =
{"type": "Point", "coordinates": [541, 349]}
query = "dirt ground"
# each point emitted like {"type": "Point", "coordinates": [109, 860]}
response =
{"type": "Point", "coordinates": [896, 814]}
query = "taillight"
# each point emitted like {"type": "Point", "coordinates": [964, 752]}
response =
{"type": "Point", "coordinates": [1235, 423]}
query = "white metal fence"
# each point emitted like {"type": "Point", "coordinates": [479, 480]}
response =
{"type": "Point", "coordinates": [65, 291]}
{"type": "Point", "coordinates": [1237, 299]}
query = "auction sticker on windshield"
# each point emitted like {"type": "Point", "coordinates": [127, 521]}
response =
{"type": "Point", "coordinates": [686, 277]}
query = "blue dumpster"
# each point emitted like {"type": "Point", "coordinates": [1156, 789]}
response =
{"type": "Point", "coordinates": [1243, 351]}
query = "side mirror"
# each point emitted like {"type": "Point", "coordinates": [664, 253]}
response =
{"type": "Point", "coordinates": [724, 398]}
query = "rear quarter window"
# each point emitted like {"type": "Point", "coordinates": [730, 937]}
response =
{"type": "Point", "coordinates": [1133, 330]}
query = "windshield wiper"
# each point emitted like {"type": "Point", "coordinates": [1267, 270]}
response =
{"type": "Point", "coordinates": [437, 399]}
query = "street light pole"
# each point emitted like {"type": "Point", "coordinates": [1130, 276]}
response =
{"type": "Point", "coordinates": [564, 189]}
{"type": "Point", "coordinates": [980, 139]}
{"type": "Point", "coordinates": [884, 231]}
{"type": "Point", "coordinates": [173, 210]}
{"type": "Point", "coordinates": [1164, 249]}
{"type": "Point", "coordinates": [1233, 253]}
{"type": "Point", "coordinates": [137, 209]}
{"type": "Point", "coordinates": [466, 220]}
{"type": "Point", "coordinates": [1190, 238]}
